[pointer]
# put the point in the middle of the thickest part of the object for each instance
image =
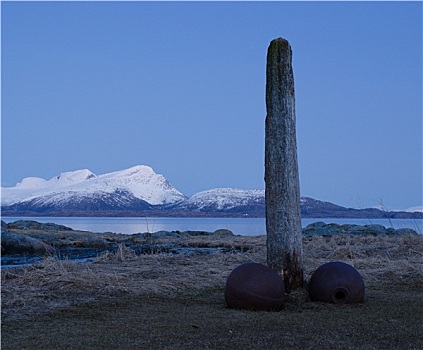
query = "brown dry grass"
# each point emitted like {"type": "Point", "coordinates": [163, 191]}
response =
{"type": "Point", "coordinates": [53, 291]}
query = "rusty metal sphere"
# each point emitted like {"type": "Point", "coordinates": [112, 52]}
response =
{"type": "Point", "coordinates": [254, 286]}
{"type": "Point", "coordinates": [336, 282]}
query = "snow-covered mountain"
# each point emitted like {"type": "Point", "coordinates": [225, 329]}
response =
{"type": "Point", "coordinates": [139, 184]}
{"type": "Point", "coordinates": [133, 190]}
{"type": "Point", "coordinates": [139, 191]}
{"type": "Point", "coordinates": [226, 199]}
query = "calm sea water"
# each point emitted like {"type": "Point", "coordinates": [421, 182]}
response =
{"type": "Point", "coordinates": [239, 226]}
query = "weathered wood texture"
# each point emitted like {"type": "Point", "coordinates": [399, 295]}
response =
{"type": "Point", "coordinates": [283, 219]}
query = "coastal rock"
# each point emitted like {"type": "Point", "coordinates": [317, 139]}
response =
{"type": "Point", "coordinates": [223, 233]}
{"type": "Point", "coordinates": [366, 229]}
{"type": "Point", "coordinates": [195, 233]}
{"type": "Point", "coordinates": [321, 229]}
{"type": "Point", "coordinates": [13, 243]}
{"type": "Point", "coordinates": [96, 243]}
{"type": "Point", "coordinates": [405, 231]}
{"type": "Point", "coordinates": [35, 225]}
{"type": "Point", "coordinates": [161, 234]}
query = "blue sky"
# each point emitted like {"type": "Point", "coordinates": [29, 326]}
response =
{"type": "Point", "coordinates": [181, 87]}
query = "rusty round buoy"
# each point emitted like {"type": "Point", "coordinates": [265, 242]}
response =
{"type": "Point", "coordinates": [336, 282]}
{"type": "Point", "coordinates": [253, 286]}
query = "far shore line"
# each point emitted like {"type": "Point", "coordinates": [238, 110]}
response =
{"type": "Point", "coordinates": [239, 226]}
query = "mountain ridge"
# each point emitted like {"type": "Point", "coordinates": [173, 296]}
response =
{"type": "Point", "coordinates": [139, 191]}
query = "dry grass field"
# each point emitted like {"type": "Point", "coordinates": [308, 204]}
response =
{"type": "Point", "coordinates": [163, 301]}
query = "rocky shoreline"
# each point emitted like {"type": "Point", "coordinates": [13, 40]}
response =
{"type": "Point", "coordinates": [26, 241]}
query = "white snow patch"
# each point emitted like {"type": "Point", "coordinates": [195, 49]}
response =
{"type": "Point", "coordinates": [418, 209]}
{"type": "Point", "coordinates": [225, 198]}
{"type": "Point", "coordinates": [32, 183]}
{"type": "Point", "coordinates": [140, 180]}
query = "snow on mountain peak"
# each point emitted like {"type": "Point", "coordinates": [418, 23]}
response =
{"type": "Point", "coordinates": [140, 180]}
{"type": "Point", "coordinates": [138, 170]}
{"type": "Point", "coordinates": [73, 177]}
{"type": "Point", "coordinates": [31, 182]}
{"type": "Point", "coordinates": [417, 209]}
{"type": "Point", "coordinates": [144, 184]}
{"type": "Point", "coordinates": [225, 198]}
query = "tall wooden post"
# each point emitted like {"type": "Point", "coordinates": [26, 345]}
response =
{"type": "Point", "coordinates": [283, 218]}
